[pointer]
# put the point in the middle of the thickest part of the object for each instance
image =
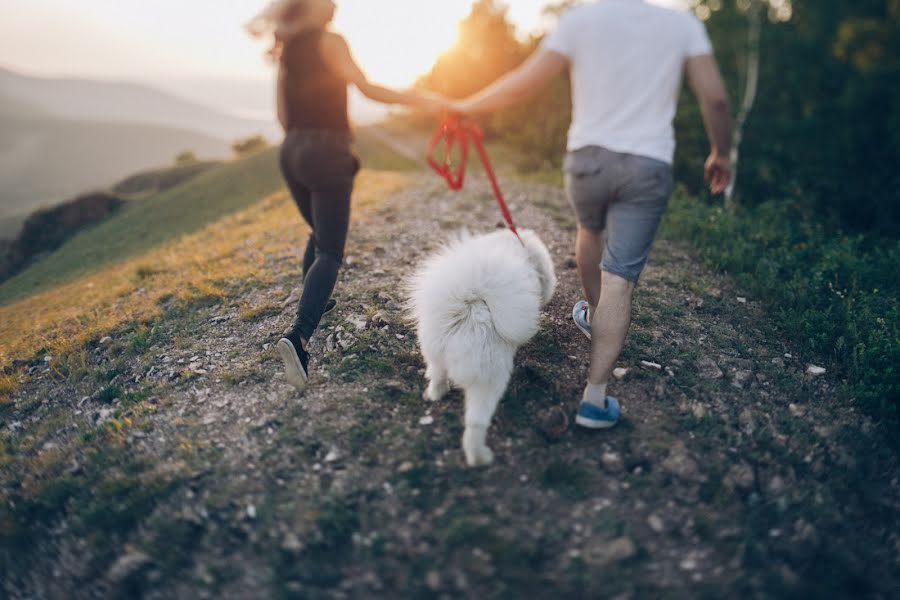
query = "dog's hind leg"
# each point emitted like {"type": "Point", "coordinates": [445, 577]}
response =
{"type": "Point", "coordinates": [481, 403]}
{"type": "Point", "coordinates": [438, 384]}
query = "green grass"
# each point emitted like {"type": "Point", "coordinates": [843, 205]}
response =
{"type": "Point", "coordinates": [145, 224]}
{"type": "Point", "coordinates": [837, 296]}
{"type": "Point", "coordinates": [148, 223]}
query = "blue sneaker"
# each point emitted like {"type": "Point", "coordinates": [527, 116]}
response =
{"type": "Point", "coordinates": [593, 417]}
{"type": "Point", "coordinates": [581, 316]}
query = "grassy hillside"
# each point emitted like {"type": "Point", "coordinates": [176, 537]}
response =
{"type": "Point", "coordinates": [151, 222]}
{"type": "Point", "coordinates": [137, 285]}
{"type": "Point", "coordinates": [43, 161]}
{"type": "Point", "coordinates": [147, 223]}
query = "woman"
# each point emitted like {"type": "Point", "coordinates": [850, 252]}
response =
{"type": "Point", "coordinates": [315, 68]}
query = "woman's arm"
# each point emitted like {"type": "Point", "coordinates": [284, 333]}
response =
{"type": "Point", "coordinates": [337, 55]}
{"type": "Point", "coordinates": [533, 75]}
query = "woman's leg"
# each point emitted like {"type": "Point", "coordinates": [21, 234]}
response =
{"type": "Point", "coordinates": [331, 220]}
{"type": "Point", "coordinates": [309, 256]}
{"type": "Point", "coordinates": [302, 198]}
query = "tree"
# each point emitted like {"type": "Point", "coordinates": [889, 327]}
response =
{"type": "Point", "coordinates": [185, 159]}
{"type": "Point", "coordinates": [246, 146]}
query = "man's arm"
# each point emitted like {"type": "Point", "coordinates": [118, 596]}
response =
{"type": "Point", "coordinates": [517, 85]}
{"type": "Point", "coordinates": [337, 55]}
{"type": "Point", "coordinates": [706, 83]}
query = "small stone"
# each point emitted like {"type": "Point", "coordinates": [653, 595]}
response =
{"type": "Point", "coordinates": [619, 550]}
{"type": "Point", "coordinates": [680, 465]}
{"type": "Point", "coordinates": [620, 373]}
{"type": "Point", "coordinates": [127, 567]}
{"type": "Point", "coordinates": [105, 340]}
{"type": "Point", "coordinates": [777, 485]}
{"type": "Point", "coordinates": [708, 369]}
{"type": "Point", "coordinates": [699, 410]}
{"type": "Point", "coordinates": [406, 467]}
{"type": "Point", "coordinates": [795, 410]}
{"type": "Point", "coordinates": [251, 511]}
{"type": "Point", "coordinates": [104, 415]}
{"type": "Point", "coordinates": [815, 371]}
{"type": "Point", "coordinates": [742, 300]}
{"type": "Point", "coordinates": [688, 564]}
{"type": "Point", "coordinates": [553, 422]}
{"type": "Point", "coordinates": [433, 581]}
{"type": "Point", "coordinates": [426, 420]}
{"type": "Point", "coordinates": [332, 456]}
{"type": "Point", "coordinates": [746, 421]}
{"type": "Point", "coordinates": [48, 359]}
{"type": "Point", "coordinates": [292, 543]}
{"type": "Point", "coordinates": [740, 477]}
{"type": "Point", "coordinates": [740, 379]}
{"type": "Point", "coordinates": [613, 463]}
{"type": "Point", "coordinates": [656, 523]}
{"type": "Point", "coordinates": [651, 365]}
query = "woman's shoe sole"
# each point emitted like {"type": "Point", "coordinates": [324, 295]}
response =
{"type": "Point", "coordinates": [293, 368]}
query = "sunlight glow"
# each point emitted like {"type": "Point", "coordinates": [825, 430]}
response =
{"type": "Point", "coordinates": [394, 40]}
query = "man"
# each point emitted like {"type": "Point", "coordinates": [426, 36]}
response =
{"type": "Point", "coordinates": [626, 58]}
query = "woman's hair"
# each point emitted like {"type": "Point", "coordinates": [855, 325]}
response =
{"type": "Point", "coordinates": [274, 20]}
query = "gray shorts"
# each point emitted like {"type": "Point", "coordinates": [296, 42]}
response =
{"type": "Point", "coordinates": [623, 194]}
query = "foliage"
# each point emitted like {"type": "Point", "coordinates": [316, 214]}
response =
{"type": "Point", "coordinates": [835, 294]}
{"type": "Point", "coordinates": [247, 146]}
{"type": "Point", "coordinates": [825, 131]}
{"type": "Point", "coordinates": [487, 48]}
{"type": "Point", "coordinates": [186, 158]}
{"type": "Point", "coordinates": [47, 229]}
{"type": "Point", "coordinates": [155, 181]}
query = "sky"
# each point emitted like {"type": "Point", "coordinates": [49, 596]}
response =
{"type": "Point", "coordinates": [393, 40]}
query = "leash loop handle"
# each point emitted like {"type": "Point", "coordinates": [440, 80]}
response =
{"type": "Point", "coordinates": [452, 133]}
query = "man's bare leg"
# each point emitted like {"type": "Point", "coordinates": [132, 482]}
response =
{"type": "Point", "coordinates": [588, 254]}
{"type": "Point", "coordinates": [609, 328]}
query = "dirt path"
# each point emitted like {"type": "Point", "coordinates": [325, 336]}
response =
{"type": "Point", "coordinates": [186, 468]}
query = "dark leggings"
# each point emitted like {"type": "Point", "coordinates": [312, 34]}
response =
{"type": "Point", "coordinates": [319, 169]}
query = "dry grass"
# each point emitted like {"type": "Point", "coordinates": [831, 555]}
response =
{"type": "Point", "coordinates": [233, 249]}
{"type": "Point", "coordinates": [8, 384]}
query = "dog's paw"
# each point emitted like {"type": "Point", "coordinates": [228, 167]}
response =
{"type": "Point", "coordinates": [435, 392]}
{"type": "Point", "coordinates": [475, 447]}
{"type": "Point", "coordinates": [479, 457]}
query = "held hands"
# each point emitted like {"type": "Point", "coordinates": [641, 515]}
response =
{"type": "Point", "coordinates": [717, 173]}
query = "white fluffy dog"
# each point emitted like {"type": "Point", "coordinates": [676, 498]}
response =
{"type": "Point", "coordinates": [475, 302]}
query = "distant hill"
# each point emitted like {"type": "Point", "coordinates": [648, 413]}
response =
{"type": "Point", "coordinates": [154, 181]}
{"type": "Point", "coordinates": [14, 108]}
{"type": "Point", "coordinates": [10, 227]}
{"type": "Point", "coordinates": [44, 160]}
{"type": "Point", "coordinates": [123, 102]}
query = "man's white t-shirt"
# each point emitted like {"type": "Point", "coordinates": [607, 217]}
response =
{"type": "Point", "coordinates": [627, 59]}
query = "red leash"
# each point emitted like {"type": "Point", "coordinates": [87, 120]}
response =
{"type": "Point", "coordinates": [455, 131]}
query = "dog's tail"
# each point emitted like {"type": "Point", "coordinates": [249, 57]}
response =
{"type": "Point", "coordinates": [474, 299]}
